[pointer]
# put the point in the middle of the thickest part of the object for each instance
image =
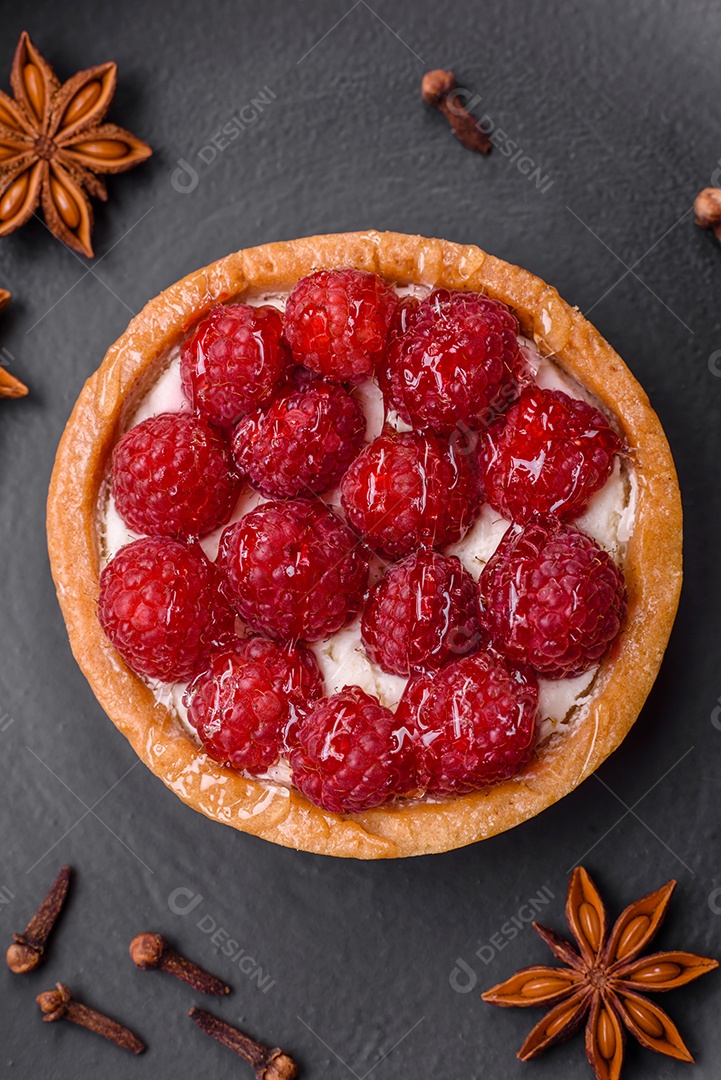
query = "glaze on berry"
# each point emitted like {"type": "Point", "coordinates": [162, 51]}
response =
{"type": "Point", "coordinates": [407, 490]}
{"type": "Point", "coordinates": [337, 323]}
{"type": "Point", "coordinates": [349, 755]}
{"type": "Point", "coordinates": [457, 362]}
{"type": "Point", "coordinates": [297, 571]}
{"type": "Point", "coordinates": [422, 611]}
{"type": "Point", "coordinates": [302, 443]}
{"type": "Point", "coordinates": [234, 361]}
{"type": "Point", "coordinates": [549, 454]}
{"type": "Point", "coordinates": [473, 722]}
{"type": "Point", "coordinates": [242, 704]}
{"type": "Point", "coordinates": [552, 598]}
{"type": "Point", "coordinates": [162, 608]}
{"type": "Point", "coordinates": [172, 475]}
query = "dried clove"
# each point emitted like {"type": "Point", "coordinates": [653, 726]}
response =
{"type": "Point", "coordinates": [440, 88]}
{"type": "Point", "coordinates": [707, 210]}
{"type": "Point", "coordinates": [28, 948]}
{"type": "Point", "coordinates": [268, 1064]}
{"type": "Point", "coordinates": [59, 1004]}
{"type": "Point", "coordinates": [151, 951]}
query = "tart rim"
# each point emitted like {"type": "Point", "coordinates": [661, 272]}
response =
{"type": "Point", "coordinates": [652, 566]}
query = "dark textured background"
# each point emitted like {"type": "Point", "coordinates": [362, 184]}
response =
{"type": "Point", "coordinates": [618, 104]}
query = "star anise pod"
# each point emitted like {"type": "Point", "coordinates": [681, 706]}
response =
{"type": "Point", "coordinates": [604, 980]}
{"type": "Point", "coordinates": [52, 145]}
{"type": "Point", "coordinates": [10, 387]}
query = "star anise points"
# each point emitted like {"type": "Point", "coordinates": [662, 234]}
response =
{"type": "Point", "coordinates": [53, 145]}
{"type": "Point", "coordinates": [604, 981]}
{"type": "Point", "coordinates": [10, 387]}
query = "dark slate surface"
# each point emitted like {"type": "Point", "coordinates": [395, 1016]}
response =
{"type": "Point", "coordinates": [618, 105]}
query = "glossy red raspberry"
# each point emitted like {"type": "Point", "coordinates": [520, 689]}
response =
{"type": "Point", "coordinates": [337, 322]}
{"type": "Point", "coordinates": [302, 443]}
{"type": "Point", "coordinates": [172, 475]}
{"type": "Point", "coordinates": [408, 490]}
{"type": "Point", "coordinates": [162, 608]}
{"type": "Point", "coordinates": [547, 455]}
{"type": "Point", "coordinates": [402, 316]}
{"type": "Point", "coordinates": [349, 756]}
{"type": "Point", "coordinates": [552, 598]}
{"type": "Point", "coordinates": [296, 569]}
{"type": "Point", "coordinates": [473, 722]}
{"type": "Point", "coordinates": [457, 361]}
{"type": "Point", "coordinates": [422, 611]}
{"type": "Point", "coordinates": [234, 361]}
{"type": "Point", "coordinates": [242, 704]}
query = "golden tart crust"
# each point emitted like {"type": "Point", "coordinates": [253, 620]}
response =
{"type": "Point", "coordinates": [652, 564]}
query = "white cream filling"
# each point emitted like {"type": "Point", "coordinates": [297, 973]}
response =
{"type": "Point", "coordinates": [341, 657]}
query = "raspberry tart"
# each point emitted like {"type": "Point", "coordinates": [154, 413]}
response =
{"type": "Point", "coordinates": [369, 543]}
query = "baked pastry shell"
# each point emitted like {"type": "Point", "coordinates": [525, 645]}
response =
{"type": "Point", "coordinates": [652, 562]}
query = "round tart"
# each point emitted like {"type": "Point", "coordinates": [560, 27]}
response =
{"type": "Point", "coordinates": [635, 515]}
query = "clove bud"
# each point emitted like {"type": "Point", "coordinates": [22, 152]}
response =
{"type": "Point", "coordinates": [28, 948]}
{"type": "Point", "coordinates": [269, 1064]}
{"type": "Point", "coordinates": [707, 210]}
{"type": "Point", "coordinates": [440, 88]}
{"type": "Point", "coordinates": [59, 1004]}
{"type": "Point", "coordinates": [151, 951]}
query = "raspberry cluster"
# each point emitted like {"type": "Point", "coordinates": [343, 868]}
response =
{"type": "Point", "coordinates": [272, 403]}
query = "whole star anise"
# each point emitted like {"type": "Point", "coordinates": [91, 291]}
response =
{"type": "Point", "coordinates": [604, 980]}
{"type": "Point", "coordinates": [52, 145]}
{"type": "Point", "coordinates": [10, 387]}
